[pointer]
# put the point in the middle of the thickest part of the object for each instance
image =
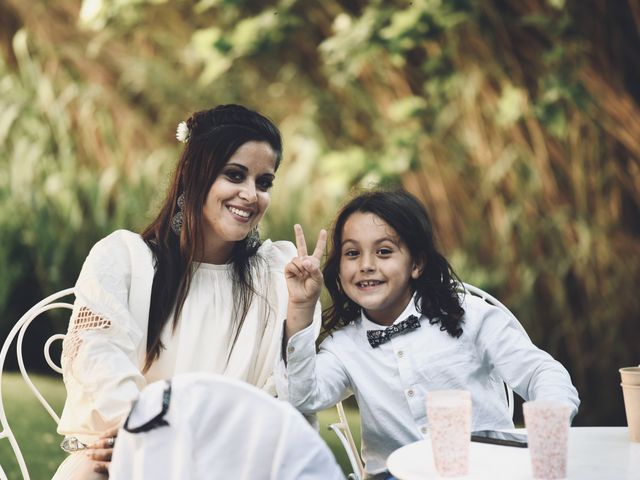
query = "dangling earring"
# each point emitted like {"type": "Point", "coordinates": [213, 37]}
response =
{"type": "Point", "coordinates": [253, 239]}
{"type": "Point", "coordinates": [176, 221]}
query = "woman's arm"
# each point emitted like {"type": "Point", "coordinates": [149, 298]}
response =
{"type": "Point", "coordinates": [101, 349]}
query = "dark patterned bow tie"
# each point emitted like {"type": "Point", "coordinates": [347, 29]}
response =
{"type": "Point", "coordinates": [378, 337]}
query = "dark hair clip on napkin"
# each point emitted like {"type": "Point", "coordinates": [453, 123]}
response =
{"type": "Point", "coordinates": [157, 421]}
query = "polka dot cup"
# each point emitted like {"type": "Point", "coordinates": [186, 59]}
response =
{"type": "Point", "coordinates": [548, 437]}
{"type": "Point", "coordinates": [449, 420]}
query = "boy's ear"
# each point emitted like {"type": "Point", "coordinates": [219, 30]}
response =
{"type": "Point", "coordinates": [416, 269]}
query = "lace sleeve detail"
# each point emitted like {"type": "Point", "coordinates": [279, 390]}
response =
{"type": "Point", "coordinates": [85, 319]}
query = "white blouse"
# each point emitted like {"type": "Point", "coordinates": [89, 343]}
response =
{"type": "Point", "coordinates": [203, 337]}
{"type": "Point", "coordinates": [105, 347]}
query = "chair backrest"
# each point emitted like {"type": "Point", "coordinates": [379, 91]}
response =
{"type": "Point", "coordinates": [341, 428]}
{"type": "Point", "coordinates": [200, 426]}
{"type": "Point", "coordinates": [343, 432]}
{"type": "Point", "coordinates": [18, 330]}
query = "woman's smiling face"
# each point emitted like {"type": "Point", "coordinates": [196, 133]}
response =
{"type": "Point", "coordinates": [239, 196]}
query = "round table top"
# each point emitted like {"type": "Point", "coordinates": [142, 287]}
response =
{"type": "Point", "coordinates": [594, 453]}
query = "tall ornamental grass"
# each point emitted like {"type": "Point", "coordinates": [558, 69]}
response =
{"type": "Point", "coordinates": [515, 121]}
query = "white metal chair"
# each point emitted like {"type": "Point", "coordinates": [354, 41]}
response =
{"type": "Point", "coordinates": [343, 432]}
{"type": "Point", "coordinates": [341, 428]}
{"type": "Point", "coordinates": [201, 426]}
{"type": "Point", "coordinates": [19, 329]}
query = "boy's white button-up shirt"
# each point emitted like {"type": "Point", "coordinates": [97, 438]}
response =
{"type": "Point", "coordinates": [390, 381]}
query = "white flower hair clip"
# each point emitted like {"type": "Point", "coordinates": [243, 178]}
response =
{"type": "Point", "coordinates": [182, 132]}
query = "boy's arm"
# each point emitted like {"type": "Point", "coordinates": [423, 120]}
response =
{"type": "Point", "coordinates": [310, 381]}
{"type": "Point", "coordinates": [530, 371]}
{"type": "Point", "coordinates": [304, 283]}
{"type": "Point", "coordinates": [298, 318]}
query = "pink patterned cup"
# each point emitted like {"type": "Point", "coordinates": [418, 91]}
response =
{"type": "Point", "coordinates": [449, 420]}
{"type": "Point", "coordinates": [547, 425]}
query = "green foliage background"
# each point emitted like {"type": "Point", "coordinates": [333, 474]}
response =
{"type": "Point", "coordinates": [517, 122]}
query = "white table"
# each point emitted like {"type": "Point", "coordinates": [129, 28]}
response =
{"type": "Point", "coordinates": [595, 453]}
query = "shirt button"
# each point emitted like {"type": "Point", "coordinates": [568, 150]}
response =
{"type": "Point", "coordinates": [410, 392]}
{"type": "Point", "coordinates": [291, 349]}
{"type": "Point", "coordinates": [401, 354]}
{"type": "Point", "coordinates": [423, 430]}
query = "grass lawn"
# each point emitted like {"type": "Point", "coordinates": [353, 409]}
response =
{"type": "Point", "coordinates": [32, 425]}
{"type": "Point", "coordinates": [36, 431]}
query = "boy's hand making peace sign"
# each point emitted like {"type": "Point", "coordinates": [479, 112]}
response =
{"type": "Point", "coordinates": [304, 281]}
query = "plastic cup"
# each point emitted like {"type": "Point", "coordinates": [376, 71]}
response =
{"type": "Point", "coordinates": [449, 420]}
{"type": "Point", "coordinates": [547, 425]}
{"type": "Point", "coordinates": [630, 375]}
{"type": "Point", "coordinates": [632, 409]}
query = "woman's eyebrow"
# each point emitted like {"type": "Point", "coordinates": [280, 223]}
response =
{"type": "Point", "coordinates": [246, 170]}
{"type": "Point", "coordinates": [237, 165]}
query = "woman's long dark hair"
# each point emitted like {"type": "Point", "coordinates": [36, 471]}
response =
{"type": "Point", "coordinates": [214, 136]}
{"type": "Point", "coordinates": [435, 288]}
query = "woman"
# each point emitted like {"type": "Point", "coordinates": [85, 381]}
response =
{"type": "Point", "coordinates": [196, 291]}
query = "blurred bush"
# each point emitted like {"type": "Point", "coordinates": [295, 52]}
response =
{"type": "Point", "coordinates": [61, 187]}
{"type": "Point", "coordinates": [517, 122]}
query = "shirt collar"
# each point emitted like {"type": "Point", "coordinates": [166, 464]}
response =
{"type": "Point", "coordinates": [410, 309]}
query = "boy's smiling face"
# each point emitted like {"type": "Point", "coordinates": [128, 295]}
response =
{"type": "Point", "coordinates": [375, 267]}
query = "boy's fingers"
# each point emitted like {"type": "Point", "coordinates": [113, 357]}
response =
{"type": "Point", "coordinates": [310, 265]}
{"type": "Point", "coordinates": [295, 267]}
{"type": "Point", "coordinates": [301, 244]}
{"type": "Point", "coordinates": [320, 244]}
{"type": "Point", "coordinates": [312, 268]}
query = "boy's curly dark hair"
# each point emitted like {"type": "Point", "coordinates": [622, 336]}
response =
{"type": "Point", "coordinates": [435, 287]}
